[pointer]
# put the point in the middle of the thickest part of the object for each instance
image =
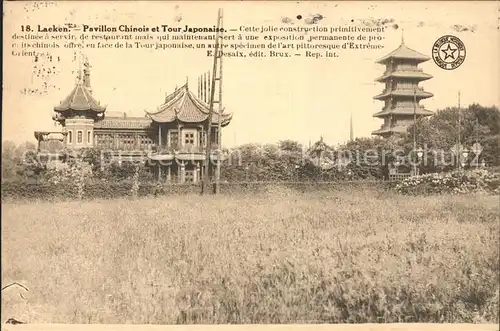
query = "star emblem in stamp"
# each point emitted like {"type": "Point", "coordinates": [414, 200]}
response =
{"type": "Point", "coordinates": [448, 52]}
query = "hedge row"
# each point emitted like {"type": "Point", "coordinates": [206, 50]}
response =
{"type": "Point", "coordinates": [106, 190]}
{"type": "Point", "coordinates": [454, 182]}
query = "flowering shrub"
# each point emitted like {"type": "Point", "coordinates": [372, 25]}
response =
{"type": "Point", "coordinates": [455, 182]}
{"type": "Point", "coordinates": [134, 191]}
{"type": "Point", "coordinates": [75, 171]}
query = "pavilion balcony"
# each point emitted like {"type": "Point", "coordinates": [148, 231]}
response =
{"type": "Point", "coordinates": [196, 153]}
{"type": "Point", "coordinates": [403, 89]}
{"type": "Point", "coordinates": [178, 149]}
{"type": "Point", "coordinates": [403, 69]}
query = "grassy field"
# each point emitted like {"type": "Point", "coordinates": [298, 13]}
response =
{"type": "Point", "coordinates": [276, 257]}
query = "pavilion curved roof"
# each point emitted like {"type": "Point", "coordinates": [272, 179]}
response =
{"type": "Point", "coordinates": [184, 106]}
{"type": "Point", "coordinates": [80, 98]}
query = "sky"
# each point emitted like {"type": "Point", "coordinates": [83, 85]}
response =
{"type": "Point", "coordinates": [271, 99]}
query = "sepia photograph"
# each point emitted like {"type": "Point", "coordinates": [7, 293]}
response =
{"type": "Point", "coordinates": [257, 165]}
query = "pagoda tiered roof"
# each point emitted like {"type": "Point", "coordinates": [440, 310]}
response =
{"type": "Point", "coordinates": [389, 130]}
{"type": "Point", "coordinates": [182, 105]}
{"type": "Point", "coordinates": [80, 99]}
{"type": "Point", "coordinates": [420, 93]}
{"type": "Point", "coordinates": [405, 53]}
{"type": "Point", "coordinates": [413, 74]}
{"type": "Point", "coordinates": [403, 111]}
{"type": "Point", "coordinates": [402, 77]}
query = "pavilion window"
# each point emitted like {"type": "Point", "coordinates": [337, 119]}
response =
{"type": "Point", "coordinates": [70, 137]}
{"type": "Point", "coordinates": [405, 103]}
{"type": "Point", "coordinates": [88, 136]}
{"type": "Point", "coordinates": [128, 142]}
{"type": "Point", "coordinates": [189, 138]}
{"type": "Point", "coordinates": [204, 139]}
{"type": "Point", "coordinates": [405, 84]}
{"type": "Point", "coordinates": [108, 140]}
{"type": "Point", "coordinates": [189, 176]}
{"type": "Point", "coordinates": [104, 140]}
{"type": "Point", "coordinates": [79, 137]}
{"type": "Point", "coordinates": [145, 142]}
{"type": "Point", "coordinates": [174, 138]}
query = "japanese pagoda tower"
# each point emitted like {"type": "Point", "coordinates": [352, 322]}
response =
{"type": "Point", "coordinates": [402, 93]}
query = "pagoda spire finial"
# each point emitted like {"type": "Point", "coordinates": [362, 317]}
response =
{"type": "Point", "coordinates": [86, 72]}
{"type": "Point", "coordinates": [79, 75]}
{"type": "Point", "coordinates": [187, 81]}
{"type": "Point", "coordinates": [80, 65]}
{"type": "Point", "coordinates": [402, 36]}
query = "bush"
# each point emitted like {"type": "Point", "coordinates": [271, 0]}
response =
{"type": "Point", "coordinates": [455, 182]}
{"type": "Point", "coordinates": [108, 189]}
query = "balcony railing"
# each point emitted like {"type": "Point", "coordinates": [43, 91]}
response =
{"type": "Point", "coordinates": [405, 106]}
{"type": "Point", "coordinates": [402, 88]}
{"type": "Point", "coordinates": [187, 149]}
{"type": "Point", "coordinates": [404, 68]}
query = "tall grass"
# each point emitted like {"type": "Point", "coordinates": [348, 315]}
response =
{"type": "Point", "coordinates": [276, 257]}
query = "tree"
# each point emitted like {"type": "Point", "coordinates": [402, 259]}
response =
{"type": "Point", "coordinates": [20, 161]}
{"type": "Point", "coordinates": [371, 157]}
{"type": "Point", "coordinates": [9, 163]}
{"type": "Point", "coordinates": [290, 146]}
{"type": "Point", "coordinates": [439, 133]}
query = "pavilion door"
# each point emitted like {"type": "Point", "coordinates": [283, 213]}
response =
{"type": "Point", "coordinates": [190, 139]}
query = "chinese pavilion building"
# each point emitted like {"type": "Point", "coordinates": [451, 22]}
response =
{"type": "Point", "coordinates": [402, 94]}
{"type": "Point", "coordinates": [170, 140]}
{"type": "Point", "coordinates": [181, 127]}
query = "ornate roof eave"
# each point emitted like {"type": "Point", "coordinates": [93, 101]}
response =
{"type": "Point", "coordinates": [404, 53]}
{"type": "Point", "coordinates": [226, 119]}
{"type": "Point", "coordinates": [173, 109]}
{"type": "Point", "coordinates": [175, 96]}
{"type": "Point", "coordinates": [398, 93]}
{"type": "Point", "coordinates": [396, 129]}
{"type": "Point", "coordinates": [416, 60]}
{"type": "Point", "coordinates": [90, 102]}
{"type": "Point", "coordinates": [409, 76]}
{"type": "Point", "coordinates": [101, 109]}
{"type": "Point", "coordinates": [386, 113]}
{"type": "Point", "coordinates": [169, 100]}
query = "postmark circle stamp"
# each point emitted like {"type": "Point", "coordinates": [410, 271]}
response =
{"type": "Point", "coordinates": [448, 52]}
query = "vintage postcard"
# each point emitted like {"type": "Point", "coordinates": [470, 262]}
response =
{"type": "Point", "coordinates": [250, 163]}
